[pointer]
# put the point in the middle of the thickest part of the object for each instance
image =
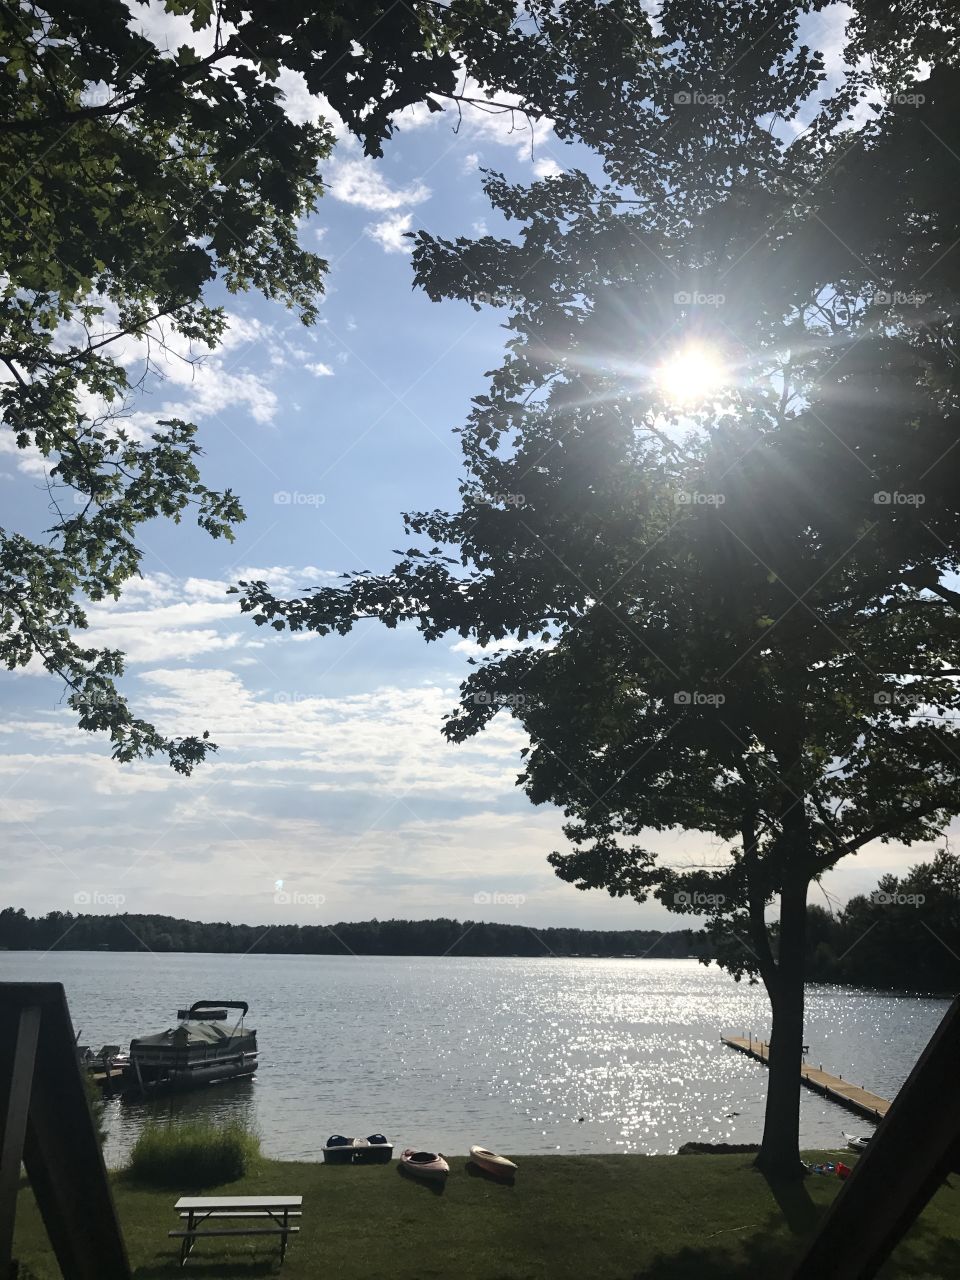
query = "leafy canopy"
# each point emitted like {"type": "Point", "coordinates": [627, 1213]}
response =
{"type": "Point", "coordinates": [730, 618]}
{"type": "Point", "coordinates": [136, 176]}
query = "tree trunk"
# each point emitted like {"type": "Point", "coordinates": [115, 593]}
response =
{"type": "Point", "coordinates": [779, 1155]}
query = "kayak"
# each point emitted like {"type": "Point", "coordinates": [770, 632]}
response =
{"type": "Point", "coordinates": [425, 1164]}
{"type": "Point", "coordinates": [490, 1162]}
{"type": "Point", "coordinates": [855, 1143]}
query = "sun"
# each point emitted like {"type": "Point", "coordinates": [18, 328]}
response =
{"type": "Point", "coordinates": [691, 375]}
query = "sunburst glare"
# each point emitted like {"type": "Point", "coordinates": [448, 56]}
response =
{"type": "Point", "coordinates": [691, 375]}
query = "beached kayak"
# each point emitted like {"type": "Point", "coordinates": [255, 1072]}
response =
{"type": "Point", "coordinates": [855, 1143]}
{"type": "Point", "coordinates": [489, 1161]}
{"type": "Point", "coordinates": [425, 1164]}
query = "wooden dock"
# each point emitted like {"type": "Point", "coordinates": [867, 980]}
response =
{"type": "Point", "coordinates": [106, 1080]}
{"type": "Point", "coordinates": [852, 1096]}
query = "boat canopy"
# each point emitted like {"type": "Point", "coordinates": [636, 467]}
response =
{"type": "Point", "coordinates": [187, 1033]}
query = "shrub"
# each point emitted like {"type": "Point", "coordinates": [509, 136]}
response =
{"type": "Point", "coordinates": [193, 1155]}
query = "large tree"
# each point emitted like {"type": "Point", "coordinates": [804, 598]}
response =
{"type": "Point", "coordinates": [717, 611]}
{"type": "Point", "coordinates": [135, 176]}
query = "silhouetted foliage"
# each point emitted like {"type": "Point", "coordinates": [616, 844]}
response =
{"type": "Point", "coordinates": [60, 930]}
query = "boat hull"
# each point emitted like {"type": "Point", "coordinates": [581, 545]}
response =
{"type": "Point", "coordinates": [490, 1162]}
{"type": "Point", "coordinates": [339, 1152]}
{"type": "Point", "coordinates": [367, 1152]}
{"type": "Point", "coordinates": [434, 1170]}
{"type": "Point", "coordinates": [157, 1079]}
{"type": "Point", "coordinates": [358, 1151]}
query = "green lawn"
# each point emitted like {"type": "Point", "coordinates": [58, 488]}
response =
{"type": "Point", "coordinates": [576, 1217]}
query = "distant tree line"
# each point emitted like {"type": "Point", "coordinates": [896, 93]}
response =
{"type": "Point", "coordinates": [59, 930]}
{"type": "Point", "coordinates": [905, 935]}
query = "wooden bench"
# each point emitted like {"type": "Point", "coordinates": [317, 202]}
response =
{"type": "Point", "coordinates": [199, 1210]}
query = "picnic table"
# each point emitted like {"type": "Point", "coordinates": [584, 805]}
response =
{"type": "Point", "coordinates": [197, 1211]}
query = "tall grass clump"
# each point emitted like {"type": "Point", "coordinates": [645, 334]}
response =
{"type": "Point", "coordinates": [193, 1155]}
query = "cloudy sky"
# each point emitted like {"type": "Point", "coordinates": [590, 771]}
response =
{"type": "Point", "coordinates": [332, 775]}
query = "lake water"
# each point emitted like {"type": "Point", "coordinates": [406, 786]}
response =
{"type": "Point", "coordinates": [525, 1056]}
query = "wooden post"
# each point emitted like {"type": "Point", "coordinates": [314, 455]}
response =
{"type": "Point", "coordinates": [17, 1057]}
{"type": "Point", "coordinates": [916, 1146]}
{"type": "Point", "coordinates": [57, 1137]}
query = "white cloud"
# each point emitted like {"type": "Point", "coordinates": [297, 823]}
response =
{"type": "Point", "coordinates": [159, 618]}
{"type": "Point", "coordinates": [417, 116]}
{"type": "Point", "coordinates": [390, 233]}
{"type": "Point", "coordinates": [208, 383]}
{"type": "Point", "coordinates": [471, 161]}
{"type": "Point", "coordinates": [319, 369]}
{"type": "Point", "coordinates": [30, 461]}
{"type": "Point", "coordinates": [302, 106]}
{"type": "Point", "coordinates": [361, 182]}
{"type": "Point", "coordinates": [213, 390]}
{"type": "Point", "coordinates": [285, 579]}
{"type": "Point", "coordinates": [91, 769]}
{"type": "Point", "coordinates": [383, 742]}
{"type": "Point", "coordinates": [545, 167]}
{"type": "Point", "coordinates": [473, 649]}
{"type": "Point", "coordinates": [504, 127]}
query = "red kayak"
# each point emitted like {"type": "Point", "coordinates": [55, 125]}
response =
{"type": "Point", "coordinates": [425, 1164]}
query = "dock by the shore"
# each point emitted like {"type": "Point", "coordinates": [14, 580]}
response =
{"type": "Point", "coordinates": [852, 1096]}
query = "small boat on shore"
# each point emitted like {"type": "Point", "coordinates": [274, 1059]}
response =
{"type": "Point", "coordinates": [373, 1150]}
{"type": "Point", "coordinates": [425, 1164]}
{"type": "Point", "coordinates": [201, 1049]}
{"type": "Point", "coordinates": [855, 1143]}
{"type": "Point", "coordinates": [491, 1163]}
{"type": "Point", "coordinates": [338, 1150]}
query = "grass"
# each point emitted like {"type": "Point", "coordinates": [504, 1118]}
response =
{"type": "Point", "coordinates": [606, 1217]}
{"type": "Point", "coordinates": [189, 1157]}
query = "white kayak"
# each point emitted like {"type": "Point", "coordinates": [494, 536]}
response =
{"type": "Point", "coordinates": [855, 1143]}
{"type": "Point", "coordinates": [490, 1162]}
{"type": "Point", "coordinates": [425, 1164]}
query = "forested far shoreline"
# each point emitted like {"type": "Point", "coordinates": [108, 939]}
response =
{"type": "Point", "coordinates": [904, 936]}
{"type": "Point", "coordinates": [64, 931]}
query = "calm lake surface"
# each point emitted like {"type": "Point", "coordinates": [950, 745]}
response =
{"type": "Point", "coordinates": [521, 1055]}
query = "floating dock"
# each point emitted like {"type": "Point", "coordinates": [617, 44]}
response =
{"type": "Point", "coordinates": [107, 1080]}
{"type": "Point", "coordinates": [833, 1087]}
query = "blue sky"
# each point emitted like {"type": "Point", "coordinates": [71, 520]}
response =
{"type": "Point", "coordinates": [332, 776]}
